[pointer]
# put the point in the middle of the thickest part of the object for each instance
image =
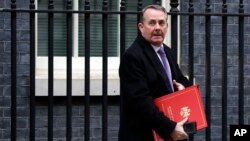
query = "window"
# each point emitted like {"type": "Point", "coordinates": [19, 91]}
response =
{"type": "Point", "coordinates": [79, 45]}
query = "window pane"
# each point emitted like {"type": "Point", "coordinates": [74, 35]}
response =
{"type": "Point", "coordinates": [59, 29]}
{"type": "Point", "coordinates": [96, 29]}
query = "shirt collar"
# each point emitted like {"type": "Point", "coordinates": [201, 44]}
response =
{"type": "Point", "coordinates": [156, 48]}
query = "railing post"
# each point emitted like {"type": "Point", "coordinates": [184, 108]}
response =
{"type": "Point", "coordinates": [69, 72]}
{"type": "Point", "coordinates": [174, 24]}
{"type": "Point", "coordinates": [13, 70]}
{"type": "Point", "coordinates": [208, 68]}
{"type": "Point", "coordinates": [32, 71]}
{"type": "Point", "coordinates": [87, 73]}
{"type": "Point", "coordinates": [191, 40]}
{"type": "Point", "coordinates": [139, 8]}
{"type": "Point", "coordinates": [50, 69]}
{"type": "Point", "coordinates": [122, 27]}
{"type": "Point", "coordinates": [224, 71]}
{"type": "Point", "coordinates": [122, 40]}
{"type": "Point", "coordinates": [105, 72]}
{"type": "Point", "coordinates": [241, 63]}
{"type": "Point", "coordinates": [191, 48]}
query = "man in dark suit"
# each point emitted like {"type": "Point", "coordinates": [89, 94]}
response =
{"type": "Point", "coordinates": [143, 78]}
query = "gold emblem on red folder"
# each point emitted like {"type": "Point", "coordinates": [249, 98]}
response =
{"type": "Point", "coordinates": [185, 112]}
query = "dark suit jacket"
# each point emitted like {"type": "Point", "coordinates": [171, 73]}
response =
{"type": "Point", "coordinates": [142, 79]}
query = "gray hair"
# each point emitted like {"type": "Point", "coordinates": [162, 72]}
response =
{"type": "Point", "coordinates": [156, 7]}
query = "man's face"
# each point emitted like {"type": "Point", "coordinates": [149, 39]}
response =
{"type": "Point", "coordinates": [154, 26]}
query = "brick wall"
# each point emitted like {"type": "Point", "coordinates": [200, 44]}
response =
{"type": "Point", "coordinates": [77, 118]}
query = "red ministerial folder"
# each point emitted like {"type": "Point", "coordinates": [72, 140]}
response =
{"type": "Point", "coordinates": [181, 104]}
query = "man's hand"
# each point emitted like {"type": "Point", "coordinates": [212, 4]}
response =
{"type": "Point", "coordinates": [179, 86]}
{"type": "Point", "coordinates": [179, 133]}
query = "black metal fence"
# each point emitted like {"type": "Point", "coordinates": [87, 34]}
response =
{"type": "Point", "coordinates": [174, 13]}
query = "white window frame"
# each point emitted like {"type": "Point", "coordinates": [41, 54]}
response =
{"type": "Point", "coordinates": [78, 67]}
